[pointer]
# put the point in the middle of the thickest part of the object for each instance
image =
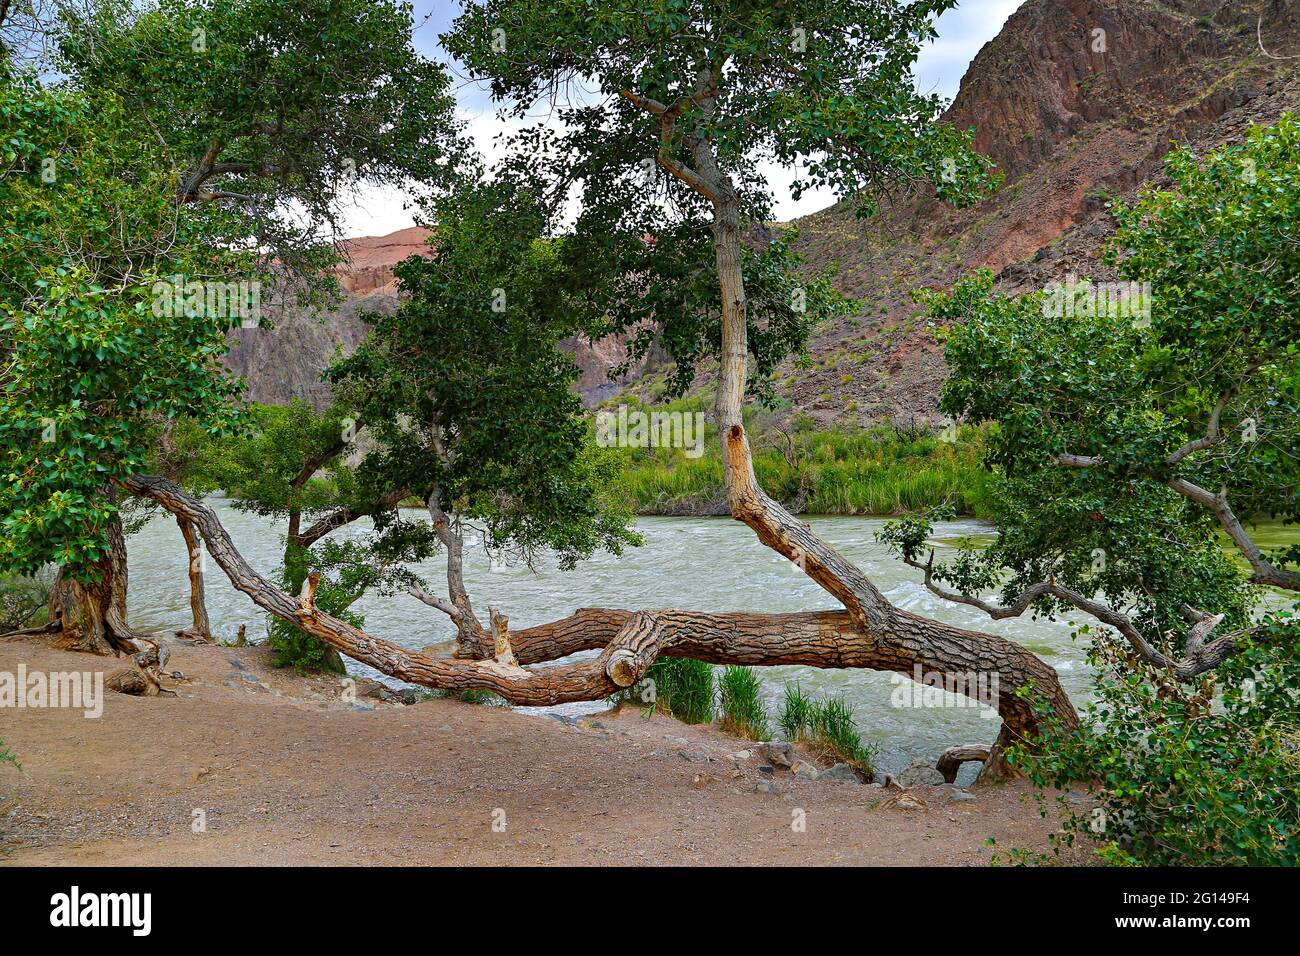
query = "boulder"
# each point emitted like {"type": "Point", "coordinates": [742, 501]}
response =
{"type": "Point", "coordinates": [805, 771]}
{"type": "Point", "coordinates": [920, 774]}
{"type": "Point", "coordinates": [778, 754]}
{"type": "Point", "coordinates": [841, 773]}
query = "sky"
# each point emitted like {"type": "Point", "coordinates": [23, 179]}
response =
{"type": "Point", "coordinates": [962, 31]}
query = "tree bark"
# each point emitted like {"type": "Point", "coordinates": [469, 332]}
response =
{"type": "Point", "coordinates": [200, 629]}
{"type": "Point", "coordinates": [630, 640]}
{"type": "Point", "coordinates": [91, 615]}
{"type": "Point", "coordinates": [870, 632]}
{"type": "Point", "coordinates": [897, 640]}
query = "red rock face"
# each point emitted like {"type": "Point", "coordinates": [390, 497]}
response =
{"type": "Point", "coordinates": [369, 270]}
{"type": "Point", "coordinates": [285, 362]}
{"type": "Point", "coordinates": [1069, 115]}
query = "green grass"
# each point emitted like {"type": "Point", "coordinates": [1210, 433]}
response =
{"type": "Point", "coordinates": [678, 686]}
{"type": "Point", "coordinates": [7, 756]}
{"type": "Point", "coordinates": [740, 706]}
{"type": "Point", "coordinates": [871, 471]}
{"type": "Point", "coordinates": [827, 726]}
{"type": "Point", "coordinates": [796, 713]}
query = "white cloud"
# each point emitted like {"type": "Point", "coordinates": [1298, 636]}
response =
{"type": "Point", "coordinates": [962, 31]}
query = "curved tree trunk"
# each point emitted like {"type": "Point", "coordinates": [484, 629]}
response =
{"type": "Point", "coordinates": [629, 640]}
{"type": "Point", "coordinates": [896, 637]}
{"type": "Point", "coordinates": [870, 632]}
{"type": "Point", "coordinates": [92, 616]}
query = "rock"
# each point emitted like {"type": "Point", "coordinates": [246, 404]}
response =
{"type": "Point", "coordinates": [778, 754]}
{"type": "Point", "coordinates": [961, 796]}
{"type": "Point", "coordinates": [805, 771]}
{"type": "Point", "coordinates": [909, 802]}
{"type": "Point", "coordinates": [702, 780]}
{"type": "Point", "coordinates": [920, 774]}
{"type": "Point", "coordinates": [362, 705]}
{"type": "Point", "coordinates": [765, 786]}
{"type": "Point", "coordinates": [675, 740]}
{"type": "Point", "coordinates": [132, 681]}
{"type": "Point", "coordinates": [766, 770]}
{"type": "Point", "coordinates": [840, 773]}
{"type": "Point", "coordinates": [740, 755]}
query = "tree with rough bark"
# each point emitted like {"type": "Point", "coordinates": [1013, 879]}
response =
{"type": "Point", "coordinates": [144, 198]}
{"type": "Point", "coordinates": [290, 463]}
{"type": "Point", "coordinates": [88, 364]}
{"type": "Point", "coordinates": [1138, 428]}
{"type": "Point", "coordinates": [467, 397]}
{"type": "Point", "coordinates": [1139, 434]}
{"type": "Point", "coordinates": [667, 109]}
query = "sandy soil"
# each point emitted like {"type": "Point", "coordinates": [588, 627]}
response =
{"type": "Point", "coordinates": [287, 772]}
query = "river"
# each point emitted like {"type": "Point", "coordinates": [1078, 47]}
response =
{"type": "Point", "coordinates": [702, 564]}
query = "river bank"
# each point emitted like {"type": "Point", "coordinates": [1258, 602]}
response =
{"type": "Point", "coordinates": [282, 769]}
{"type": "Point", "coordinates": [696, 564]}
{"type": "Point", "coordinates": [881, 470]}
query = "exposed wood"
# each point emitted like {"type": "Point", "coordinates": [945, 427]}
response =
{"type": "Point", "coordinates": [200, 630]}
{"type": "Point", "coordinates": [629, 641]}
{"type": "Point", "coordinates": [950, 760]}
{"type": "Point", "coordinates": [91, 615]}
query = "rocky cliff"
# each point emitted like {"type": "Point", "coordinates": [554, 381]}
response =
{"type": "Point", "coordinates": [285, 361]}
{"type": "Point", "coordinates": [1072, 116]}
{"type": "Point", "coordinates": [1075, 100]}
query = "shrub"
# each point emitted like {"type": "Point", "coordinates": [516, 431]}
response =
{"type": "Point", "coordinates": [23, 599]}
{"type": "Point", "coordinates": [1200, 775]}
{"type": "Point", "coordinates": [679, 686]}
{"type": "Point", "coordinates": [827, 726]}
{"type": "Point", "coordinates": [6, 756]}
{"type": "Point", "coordinates": [742, 711]}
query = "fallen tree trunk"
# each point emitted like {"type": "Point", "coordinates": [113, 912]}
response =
{"type": "Point", "coordinates": [630, 640]}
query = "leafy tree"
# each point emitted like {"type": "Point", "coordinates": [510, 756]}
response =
{"type": "Point", "coordinates": [666, 110]}
{"type": "Point", "coordinates": [1127, 442]}
{"type": "Point", "coordinates": [115, 210]}
{"type": "Point", "coordinates": [468, 396]}
{"type": "Point", "coordinates": [89, 362]}
{"type": "Point", "coordinates": [1132, 442]}
{"type": "Point", "coordinates": [290, 463]}
{"type": "Point", "coordinates": [274, 112]}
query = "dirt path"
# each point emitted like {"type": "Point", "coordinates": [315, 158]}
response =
{"type": "Point", "coordinates": [288, 773]}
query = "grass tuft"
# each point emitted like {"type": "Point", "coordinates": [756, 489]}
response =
{"type": "Point", "coordinates": [741, 707]}
{"type": "Point", "coordinates": [827, 726]}
{"type": "Point", "coordinates": [678, 686]}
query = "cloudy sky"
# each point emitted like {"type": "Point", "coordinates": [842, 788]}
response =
{"type": "Point", "coordinates": [962, 31]}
